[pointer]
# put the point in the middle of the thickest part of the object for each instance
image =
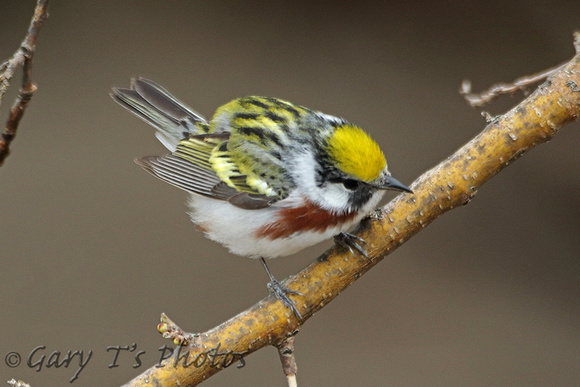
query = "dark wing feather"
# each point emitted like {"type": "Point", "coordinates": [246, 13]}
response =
{"type": "Point", "coordinates": [250, 201]}
{"type": "Point", "coordinates": [223, 191]}
{"type": "Point", "coordinates": [192, 178]}
{"type": "Point", "coordinates": [180, 173]}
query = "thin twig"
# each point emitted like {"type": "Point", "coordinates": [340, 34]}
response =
{"type": "Point", "coordinates": [21, 58]}
{"type": "Point", "coordinates": [520, 84]}
{"type": "Point", "coordinates": [286, 352]}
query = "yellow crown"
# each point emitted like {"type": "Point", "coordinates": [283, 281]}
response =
{"type": "Point", "coordinates": [356, 153]}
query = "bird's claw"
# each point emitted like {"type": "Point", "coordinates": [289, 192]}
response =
{"type": "Point", "coordinates": [350, 241]}
{"type": "Point", "coordinates": [281, 292]}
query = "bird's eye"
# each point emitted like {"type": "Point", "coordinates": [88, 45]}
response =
{"type": "Point", "coordinates": [350, 184]}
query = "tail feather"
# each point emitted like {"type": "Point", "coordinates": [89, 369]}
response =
{"type": "Point", "coordinates": [157, 96]}
{"type": "Point", "coordinates": [152, 103]}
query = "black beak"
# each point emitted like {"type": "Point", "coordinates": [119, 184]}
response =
{"type": "Point", "coordinates": [391, 183]}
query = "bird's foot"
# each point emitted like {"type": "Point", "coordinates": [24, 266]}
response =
{"type": "Point", "coordinates": [350, 241]}
{"type": "Point", "coordinates": [281, 292]}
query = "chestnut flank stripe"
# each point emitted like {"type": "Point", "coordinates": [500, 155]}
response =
{"type": "Point", "coordinates": [308, 217]}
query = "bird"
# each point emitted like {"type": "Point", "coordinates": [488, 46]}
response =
{"type": "Point", "coordinates": [267, 178]}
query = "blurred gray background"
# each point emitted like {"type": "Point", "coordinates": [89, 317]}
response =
{"type": "Point", "coordinates": [93, 248]}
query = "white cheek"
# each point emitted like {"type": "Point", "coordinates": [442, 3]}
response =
{"type": "Point", "coordinates": [330, 197]}
{"type": "Point", "coordinates": [334, 197]}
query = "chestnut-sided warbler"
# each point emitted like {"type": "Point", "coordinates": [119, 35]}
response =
{"type": "Point", "coordinates": [267, 178]}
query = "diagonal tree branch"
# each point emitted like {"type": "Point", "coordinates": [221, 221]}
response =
{"type": "Point", "coordinates": [452, 183]}
{"type": "Point", "coordinates": [21, 58]}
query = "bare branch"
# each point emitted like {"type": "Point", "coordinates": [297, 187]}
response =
{"type": "Point", "coordinates": [21, 58]}
{"type": "Point", "coordinates": [499, 89]}
{"type": "Point", "coordinates": [452, 183]}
